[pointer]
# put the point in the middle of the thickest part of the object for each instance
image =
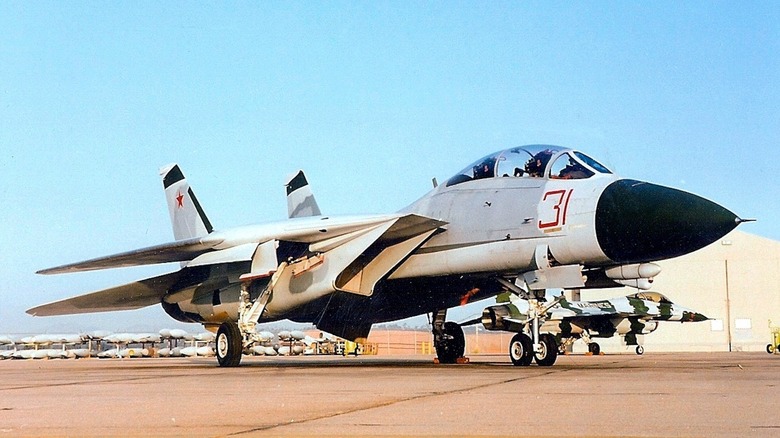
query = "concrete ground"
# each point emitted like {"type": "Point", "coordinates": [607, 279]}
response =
{"type": "Point", "coordinates": [684, 394]}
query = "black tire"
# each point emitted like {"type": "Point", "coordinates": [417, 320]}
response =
{"type": "Point", "coordinates": [521, 350]}
{"type": "Point", "coordinates": [594, 348]}
{"type": "Point", "coordinates": [229, 345]}
{"type": "Point", "coordinates": [640, 350]}
{"type": "Point", "coordinates": [452, 345]}
{"type": "Point", "coordinates": [549, 353]}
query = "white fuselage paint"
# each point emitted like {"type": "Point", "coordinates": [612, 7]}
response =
{"type": "Point", "coordinates": [495, 225]}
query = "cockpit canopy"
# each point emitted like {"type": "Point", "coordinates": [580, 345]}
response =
{"type": "Point", "coordinates": [535, 161]}
{"type": "Point", "coordinates": [652, 296]}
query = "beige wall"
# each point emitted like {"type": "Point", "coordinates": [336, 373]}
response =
{"type": "Point", "coordinates": [735, 281]}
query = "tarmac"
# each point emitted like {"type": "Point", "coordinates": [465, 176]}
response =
{"type": "Point", "coordinates": [658, 394]}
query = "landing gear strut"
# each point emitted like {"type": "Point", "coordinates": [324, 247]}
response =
{"type": "Point", "coordinates": [448, 338]}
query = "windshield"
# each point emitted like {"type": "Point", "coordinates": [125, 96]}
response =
{"type": "Point", "coordinates": [566, 167]}
{"type": "Point", "coordinates": [531, 162]}
{"type": "Point", "coordinates": [592, 163]}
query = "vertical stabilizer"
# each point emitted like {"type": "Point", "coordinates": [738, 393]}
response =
{"type": "Point", "coordinates": [187, 216]}
{"type": "Point", "coordinates": [300, 199]}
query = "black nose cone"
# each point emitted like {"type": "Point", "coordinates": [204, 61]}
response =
{"type": "Point", "coordinates": [638, 221]}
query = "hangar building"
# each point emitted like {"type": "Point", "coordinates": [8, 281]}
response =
{"type": "Point", "coordinates": [735, 282]}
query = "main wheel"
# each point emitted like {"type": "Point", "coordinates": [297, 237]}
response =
{"type": "Point", "coordinates": [452, 344]}
{"type": "Point", "coordinates": [521, 350]}
{"type": "Point", "coordinates": [549, 351]}
{"type": "Point", "coordinates": [229, 345]}
{"type": "Point", "coordinates": [640, 350]}
{"type": "Point", "coordinates": [770, 349]}
{"type": "Point", "coordinates": [594, 348]}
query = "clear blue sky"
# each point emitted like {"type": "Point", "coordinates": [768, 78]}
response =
{"type": "Point", "coordinates": [372, 99]}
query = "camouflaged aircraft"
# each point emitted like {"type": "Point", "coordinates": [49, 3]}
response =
{"type": "Point", "coordinates": [631, 317]}
{"type": "Point", "coordinates": [523, 219]}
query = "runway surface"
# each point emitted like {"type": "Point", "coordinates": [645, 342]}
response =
{"type": "Point", "coordinates": [702, 394]}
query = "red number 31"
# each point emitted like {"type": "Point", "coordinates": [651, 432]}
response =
{"type": "Point", "coordinates": [560, 207]}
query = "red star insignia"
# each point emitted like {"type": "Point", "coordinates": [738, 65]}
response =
{"type": "Point", "coordinates": [180, 200]}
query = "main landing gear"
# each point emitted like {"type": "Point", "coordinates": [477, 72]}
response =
{"type": "Point", "coordinates": [448, 338]}
{"type": "Point", "coordinates": [234, 337]}
{"type": "Point", "coordinates": [229, 344]}
{"type": "Point", "coordinates": [593, 347]}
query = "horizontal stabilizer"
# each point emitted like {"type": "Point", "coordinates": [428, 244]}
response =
{"type": "Point", "coordinates": [178, 251]}
{"type": "Point", "coordinates": [130, 296]}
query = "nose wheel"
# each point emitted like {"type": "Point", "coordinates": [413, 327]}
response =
{"type": "Point", "coordinates": [547, 351]}
{"type": "Point", "coordinates": [521, 350]}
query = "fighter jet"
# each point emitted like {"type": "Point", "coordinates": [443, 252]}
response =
{"type": "Point", "coordinates": [566, 321]}
{"type": "Point", "coordinates": [522, 219]}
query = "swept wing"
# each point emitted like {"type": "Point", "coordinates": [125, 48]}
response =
{"type": "Point", "coordinates": [168, 252]}
{"type": "Point", "coordinates": [129, 296]}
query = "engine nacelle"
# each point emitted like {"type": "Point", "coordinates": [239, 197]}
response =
{"type": "Point", "coordinates": [174, 311]}
{"type": "Point", "coordinates": [203, 304]}
{"type": "Point", "coordinates": [493, 317]}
